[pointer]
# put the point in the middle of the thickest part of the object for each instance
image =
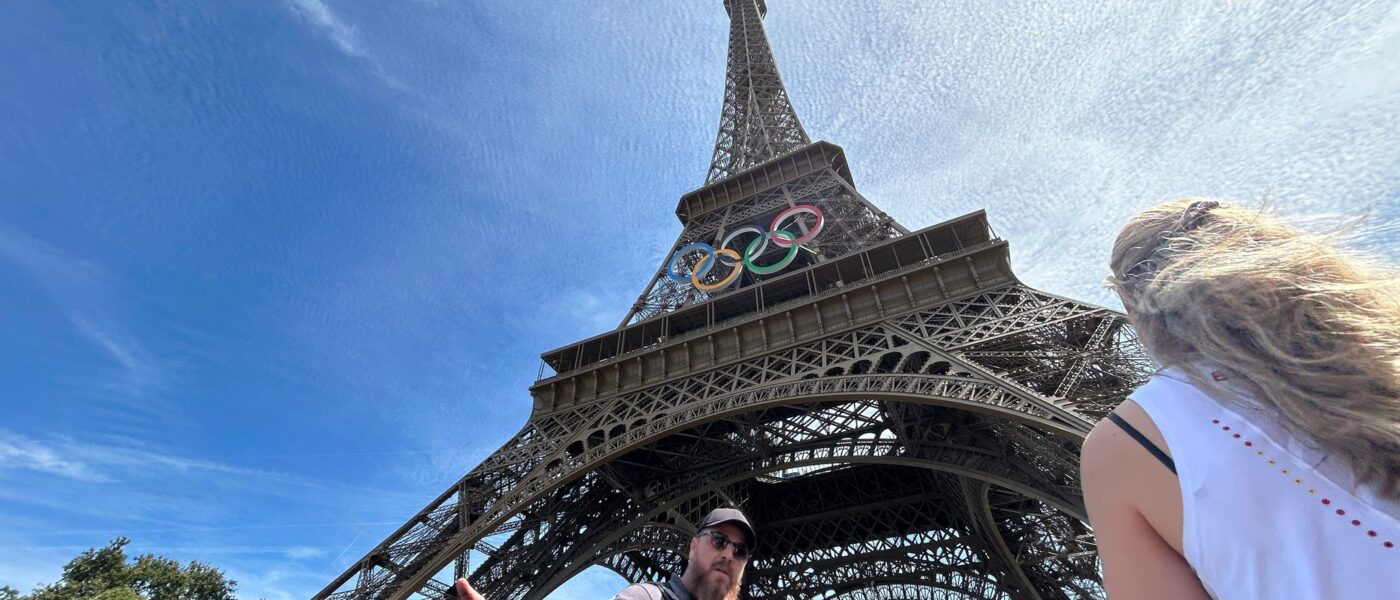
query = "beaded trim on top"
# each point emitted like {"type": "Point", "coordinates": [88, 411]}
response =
{"type": "Point", "coordinates": [1296, 478]}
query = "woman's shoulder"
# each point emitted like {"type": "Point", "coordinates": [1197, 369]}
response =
{"type": "Point", "coordinates": [1109, 452]}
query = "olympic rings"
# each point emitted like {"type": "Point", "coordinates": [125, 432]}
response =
{"type": "Point", "coordinates": [728, 257]}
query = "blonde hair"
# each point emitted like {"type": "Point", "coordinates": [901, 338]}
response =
{"type": "Point", "coordinates": [1307, 331]}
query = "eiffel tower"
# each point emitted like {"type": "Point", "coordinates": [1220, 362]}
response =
{"type": "Point", "coordinates": [898, 414]}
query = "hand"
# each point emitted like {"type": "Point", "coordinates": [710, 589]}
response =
{"type": "Point", "coordinates": [465, 591]}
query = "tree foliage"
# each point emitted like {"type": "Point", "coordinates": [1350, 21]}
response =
{"type": "Point", "coordinates": [106, 574]}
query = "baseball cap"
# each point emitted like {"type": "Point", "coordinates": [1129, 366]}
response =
{"type": "Point", "coordinates": [730, 515]}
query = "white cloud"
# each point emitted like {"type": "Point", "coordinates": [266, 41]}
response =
{"type": "Point", "coordinates": [95, 301]}
{"type": "Point", "coordinates": [318, 14]}
{"type": "Point", "coordinates": [1062, 121]}
{"type": "Point", "coordinates": [346, 39]}
{"type": "Point", "coordinates": [87, 461]}
{"type": "Point", "coordinates": [19, 452]}
{"type": "Point", "coordinates": [141, 370]}
{"type": "Point", "coordinates": [303, 552]}
{"type": "Point", "coordinates": [268, 584]}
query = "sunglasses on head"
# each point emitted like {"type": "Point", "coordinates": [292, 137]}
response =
{"type": "Point", "coordinates": [721, 541]}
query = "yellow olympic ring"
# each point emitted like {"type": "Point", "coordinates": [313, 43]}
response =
{"type": "Point", "coordinates": [701, 268]}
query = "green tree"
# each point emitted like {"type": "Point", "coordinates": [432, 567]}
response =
{"type": "Point", "coordinates": [118, 593]}
{"type": "Point", "coordinates": [106, 574]}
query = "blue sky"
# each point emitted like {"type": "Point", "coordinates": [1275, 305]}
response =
{"type": "Point", "coordinates": [273, 274]}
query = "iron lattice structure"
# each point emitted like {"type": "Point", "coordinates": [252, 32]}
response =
{"type": "Point", "coordinates": [757, 121]}
{"type": "Point", "coordinates": [898, 414]}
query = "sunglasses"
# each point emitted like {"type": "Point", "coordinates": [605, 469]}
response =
{"type": "Point", "coordinates": [721, 541]}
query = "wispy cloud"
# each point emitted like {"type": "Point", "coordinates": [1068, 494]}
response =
{"type": "Point", "coordinates": [346, 38]}
{"type": "Point", "coordinates": [303, 552]}
{"type": "Point", "coordinates": [134, 471]}
{"type": "Point", "coordinates": [178, 505]}
{"type": "Point", "coordinates": [75, 459]}
{"type": "Point", "coordinates": [141, 369]}
{"type": "Point", "coordinates": [19, 452]}
{"type": "Point", "coordinates": [129, 461]}
{"type": "Point", "coordinates": [94, 300]}
{"type": "Point", "coordinates": [58, 272]}
{"type": "Point", "coordinates": [337, 31]}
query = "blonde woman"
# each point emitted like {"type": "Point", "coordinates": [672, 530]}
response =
{"type": "Point", "coordinates": [1263, 460]}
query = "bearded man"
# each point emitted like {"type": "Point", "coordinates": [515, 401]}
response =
{"type": "Point", "coordinates": [717, 554]}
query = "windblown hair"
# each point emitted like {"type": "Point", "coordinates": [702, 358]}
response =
{"type": "Point", "coordinates": [1305, 330]}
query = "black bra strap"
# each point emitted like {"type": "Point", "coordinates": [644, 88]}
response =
{"type": "Point", "coordinates": [1142, 439]}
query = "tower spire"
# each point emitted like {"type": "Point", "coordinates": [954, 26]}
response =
{"type": "Point", "coordinates": [757, 121]}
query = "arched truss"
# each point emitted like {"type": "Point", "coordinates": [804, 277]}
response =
{"type": "Point", "coordinates": [851, 449]}
{"type": "Point", "coordinates": [647, 553]}
{"type": "Point", "coordinates": [946, 389]}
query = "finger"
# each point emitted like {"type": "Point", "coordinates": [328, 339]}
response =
{"type": "Point", "coordinates": [465, 591]}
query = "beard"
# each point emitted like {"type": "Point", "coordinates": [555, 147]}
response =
{"type": "Point", "coordinates": [717, 585]}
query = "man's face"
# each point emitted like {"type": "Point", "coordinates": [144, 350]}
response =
{"type": "Point", "coordinates": [716, 572]}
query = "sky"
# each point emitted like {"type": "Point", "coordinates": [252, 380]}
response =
{"type": "Point", "coordinates": [273, 274]}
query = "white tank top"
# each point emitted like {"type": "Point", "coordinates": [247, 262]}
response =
{"type": "Point", "coordinates": [1265, 515]}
